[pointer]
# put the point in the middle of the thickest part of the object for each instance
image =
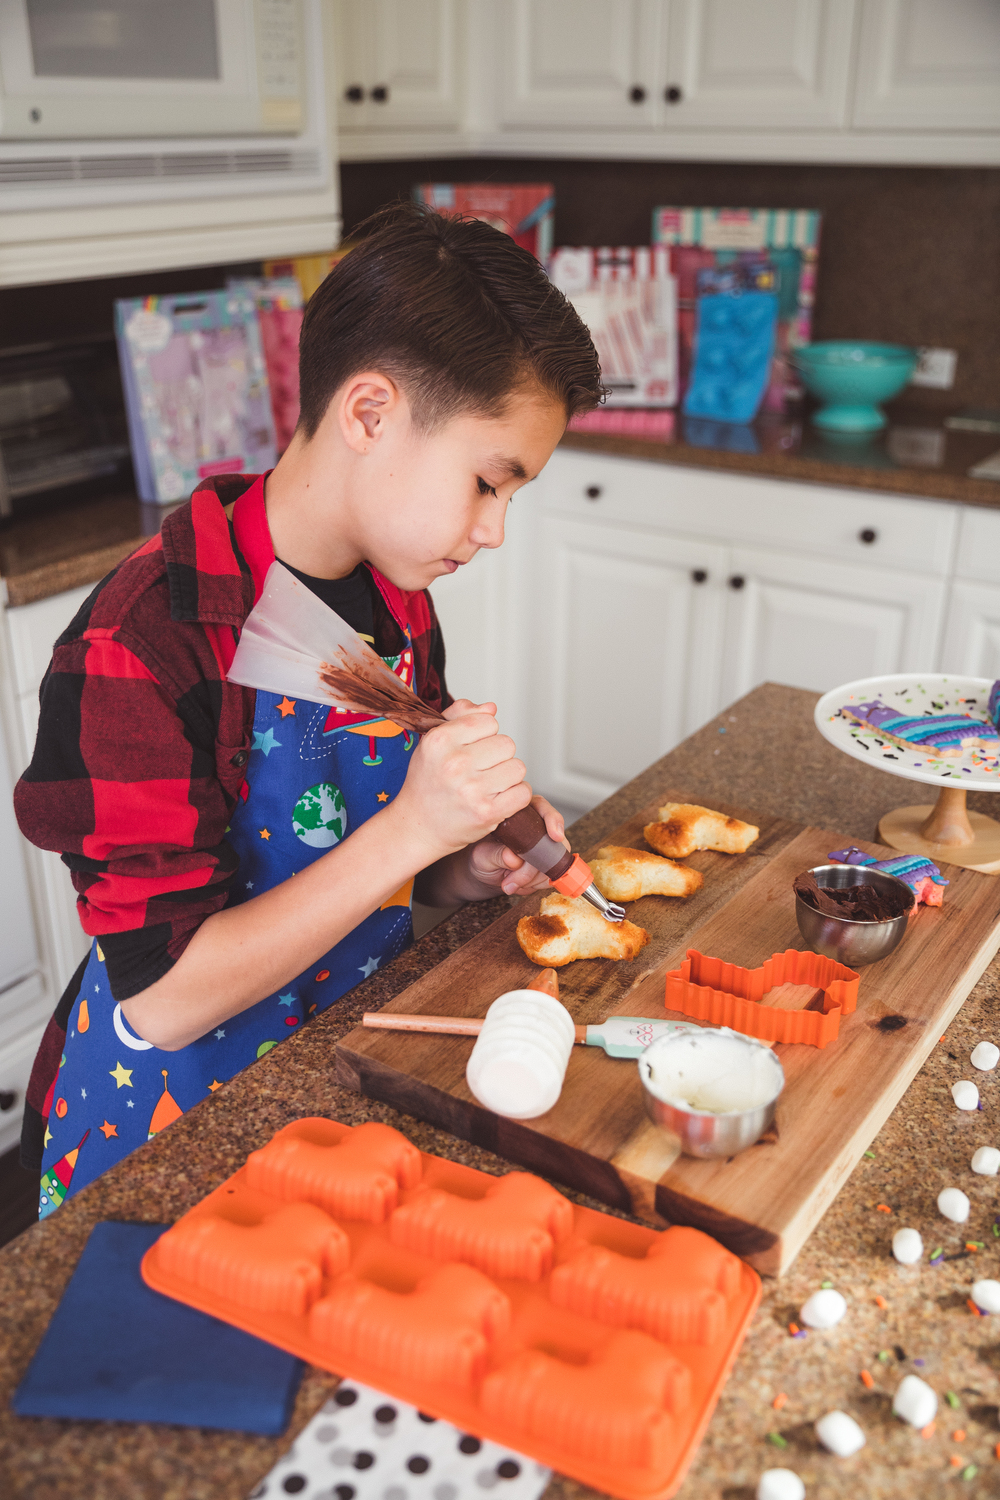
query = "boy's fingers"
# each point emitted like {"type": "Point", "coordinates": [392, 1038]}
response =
{"type": "Point", "coordinates": [463, 706]}
{"type": "Point", "coordinates": [555, 825]}
{"type": "Point", "coordinates": [466, 729]}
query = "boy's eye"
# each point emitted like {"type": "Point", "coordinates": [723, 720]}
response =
{"type": "Point", "coordinates": [484, 488]}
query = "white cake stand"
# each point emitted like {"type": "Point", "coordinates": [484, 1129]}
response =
{"type": "Point", "coordinates": [946, 830]}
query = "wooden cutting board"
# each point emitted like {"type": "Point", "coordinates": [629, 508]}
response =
{"type": "Point", "coordinates": [764, 1203]}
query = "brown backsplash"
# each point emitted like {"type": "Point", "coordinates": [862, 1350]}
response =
{"type": "Point", "coordinates": [908, 255]}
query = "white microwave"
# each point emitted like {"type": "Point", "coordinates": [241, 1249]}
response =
{"type": "Point", "coordinates": [133, 69]}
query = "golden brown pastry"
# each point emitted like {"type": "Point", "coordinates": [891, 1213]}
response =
{"type": "Point", "coordinates": [567, 929]}
{"type": "Point", "coordinates": [626, 874]}
{"type": "Point", "coordinates": [684, 828]}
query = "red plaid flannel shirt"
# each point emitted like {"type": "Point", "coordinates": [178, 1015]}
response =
{"type": "Point", "coordinates": [142, 742]}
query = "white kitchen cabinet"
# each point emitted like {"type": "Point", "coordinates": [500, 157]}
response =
{"type": "Point", "coordinates": [16, 1058]}
{"type": "Point", "coordinates": [586, 63]}
{"type": "Point", "coordinates": [928, 65]}
{"type": "Point", "coordinates": [628, 652]}
{"type": "Point", "coordinates": [810, 623]}
{"type": "Point", "coordinates": [780, 64]}
{"type": "Point", "coordinates": [972, 638]}
{"type": "Point", "coordinates": [397, 64]}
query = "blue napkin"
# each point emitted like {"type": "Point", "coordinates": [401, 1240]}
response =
{"type": "Point", "coordinates": [117, 1351]}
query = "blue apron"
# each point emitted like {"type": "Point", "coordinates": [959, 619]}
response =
{"type": "Point", "coordinates": [314, 774]}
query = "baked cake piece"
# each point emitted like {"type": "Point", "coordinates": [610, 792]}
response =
{"type": "Point", "coordinates": [684, 828]}
{"type": "Point", "coordinates": [567, 929]}
{"type": "Point", "coordinates": [622, 874]}
{"type": "Point", "coordinates": [945, 735]}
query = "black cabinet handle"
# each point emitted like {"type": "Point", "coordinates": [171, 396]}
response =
{"type": "Point", "coordinates": [698, 575]}
{"type": "Point", "coordinates": [380, 94]}
{"type": "Point", "coordinates": [355, 94]}
{"type": "Point", "coordinates": [868, 535]}
{"type": "Point", "coordinates": [637, 94]}
{"type": "Point", "coordinates": [593, 492]}
{"type": "Point", "coordinates": [737, 581]}
{"type": "Point", "coordinates": [673, 94]}
{"type": "Point", "coordinates": [8, 1099]}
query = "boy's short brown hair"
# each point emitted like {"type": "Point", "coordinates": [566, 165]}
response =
{"type": "Point", "coordinates": [453, 310]}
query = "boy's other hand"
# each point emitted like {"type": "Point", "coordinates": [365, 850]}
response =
{"type": "Point", "coordinates": [464, 779]}
{"type": "Point", "coordinates": [496, 865]}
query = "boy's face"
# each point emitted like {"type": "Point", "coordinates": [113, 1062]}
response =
{"type": "Point", "coordinates": [433, 499]}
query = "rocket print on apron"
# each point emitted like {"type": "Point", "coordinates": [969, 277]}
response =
{"type": "Point", "coordinates": [315, 773]}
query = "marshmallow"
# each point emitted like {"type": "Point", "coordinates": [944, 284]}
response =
{"type": "Point", "coordinates": [907, 1246]}
{"type": "Point", "coordinates": [519, 1060]}
{"type": "Point", "coordinates": [985, 1057]}
{"type": "Point", "coordinates": [823, 1309]}
{"type": "Point", "coordinates": [986, 1296]}
{"type": "Point", "coordinates": [986, 1161]}
{"type": "Point", "coordinates": [780, 1484]}
{"type": "Point", "coordinates": [954, 1205]}
{"type": "Point", "coordinates": [840, 1433]}
{"type": "Point", "coordinates": [965, 1094]}
{"type": "Point", "coordinates": [914, 1401]}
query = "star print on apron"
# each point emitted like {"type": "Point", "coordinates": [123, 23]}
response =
{"type": "Point", "coordinates": [315, 773]}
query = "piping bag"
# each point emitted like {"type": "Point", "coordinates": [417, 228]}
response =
{"type": "Point", "coordinates": [294, 643]}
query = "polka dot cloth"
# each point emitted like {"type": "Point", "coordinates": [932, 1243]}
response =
{"type": "Point", "coordinates": [364, 1445]}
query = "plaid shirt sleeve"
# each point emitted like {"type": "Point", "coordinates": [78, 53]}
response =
{"type": "Point", "coordinates": [138, 760]}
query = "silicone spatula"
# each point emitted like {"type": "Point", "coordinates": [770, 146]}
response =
{"type": "Point", "coordinates": [620, 1036]}
{"type": "Point", "coordinates": [293, 643]}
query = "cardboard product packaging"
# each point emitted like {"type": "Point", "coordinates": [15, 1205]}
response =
{"type": "Point", "coordinates": [196, 391]}
{"type": "Point", "coordinates": [279, 304]}
{"type": "Point", "coordinates": [782, 243]}
{"type": "Point", "coordinates": [524, 210]}
{"type": "Point", "coordinates": [628, 299]}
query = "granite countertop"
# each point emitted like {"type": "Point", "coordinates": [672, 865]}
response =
{"type": "Point", "coordinates": [769, 759]}
{"type": "Point", "coordinates": [46, 554]}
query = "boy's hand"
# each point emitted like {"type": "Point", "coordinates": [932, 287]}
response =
{"type": "Point", "coordinates": [463, 780]}
{"type": "Point", "coordinates": [495, 865]}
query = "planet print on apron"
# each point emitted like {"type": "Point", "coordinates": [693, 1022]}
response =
{"type": "Point", "coordinates": [314, 774]}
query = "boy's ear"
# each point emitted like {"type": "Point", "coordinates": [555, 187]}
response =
{"type": "Point", "coordinates": [368, 402]}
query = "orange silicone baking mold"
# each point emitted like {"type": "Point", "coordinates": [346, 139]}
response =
{"type": "Point", "coordinates": [597, 1346]}
{"type": "Point", "coordinates": [709, 989]}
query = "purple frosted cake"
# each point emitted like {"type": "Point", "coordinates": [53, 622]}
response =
{"type": "Point", "coordinates": [940, 734]}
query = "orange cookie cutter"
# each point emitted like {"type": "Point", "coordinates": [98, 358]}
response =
{"type": "Point", "coordinates": [723, 994]}
{"type": "Point", "coordinates": [597, 1346]}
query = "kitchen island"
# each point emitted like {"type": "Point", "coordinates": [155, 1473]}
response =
{"type": "Point", "coordinates": [769, 759]}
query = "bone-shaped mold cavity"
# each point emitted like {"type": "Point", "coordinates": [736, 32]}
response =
{"type": "Point", "coordinates": [359, 1177]}
{"type": "Point", "coordinates": [617, 1409]}
{"type": "Point", "coordinates": [512, 1231]}
{"type": "Point", "coordinates": [439, 1332]}
{"type": "Point", "coordinates": [678, 1292]}
{"type": "Point", "coordinates": [277, 1265]}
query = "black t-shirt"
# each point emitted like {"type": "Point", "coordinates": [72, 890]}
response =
{"type": "Point", "coordinates": [351, 597]}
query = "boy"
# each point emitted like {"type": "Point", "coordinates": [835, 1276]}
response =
{"type": "Point", "coordinates": [243, 859]}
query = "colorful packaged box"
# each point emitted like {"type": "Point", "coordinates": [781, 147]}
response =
{"type": "Point", "coordinates": [279, 304]}
{"type": "Point", "coordinates": [628, 299]}
{"type": "Point", "coordinates": [760, 241]}
{"type": "Point", "coordinates": [308, 270]}
{"type": "Point", "coordinates": [524, 210]}
{"type": "Point", "coordinates": [196, 391]}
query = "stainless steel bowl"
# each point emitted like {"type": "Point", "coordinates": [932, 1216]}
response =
{"type": "Point", "coordinates": [704, 1132]}
{"type": "Point", "coordinates": [840, 938]}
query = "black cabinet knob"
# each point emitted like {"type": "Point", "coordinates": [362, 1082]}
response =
{"type": "Point", "coordinates": [637, 94]}
{"type": "Point", "coordinates": [380, 94]}
{"type": "Point", "coordinates": [868, 535]}
{"type": "Point", "coordinates": [8, 1099]}
{"type": "Point", "coordinates": [593, 492]}
{"type": "Point", "coordinates": [673, 94]}
{"type": "Point", "coordinates": [737, 581]}
{"type": "Point", "coordinates": [698, 575]}
{"type": "Point", "coordinates": [354, 94]}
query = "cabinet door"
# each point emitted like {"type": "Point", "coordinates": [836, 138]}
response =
{"type": "Point", "coordinates": [627, 652]}
{"type": "Point", "coordinates": [929, 65]}
{"type": "Point", "coordinates": [972, 636]}
{"type": "Point", "coordinates": [580, 63]}
{"type": "Point", "coordinates": [807, 623]}
{"type": "Point", "coordinates": [397, 64]}
{"type": "Point", "coordinates": [757, 64]}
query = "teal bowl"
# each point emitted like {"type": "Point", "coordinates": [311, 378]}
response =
{"type": "Point", "coordinates": [851, 378]}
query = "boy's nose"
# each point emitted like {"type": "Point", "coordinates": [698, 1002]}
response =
{"type": "Point", "coordinates": [488, 530]}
